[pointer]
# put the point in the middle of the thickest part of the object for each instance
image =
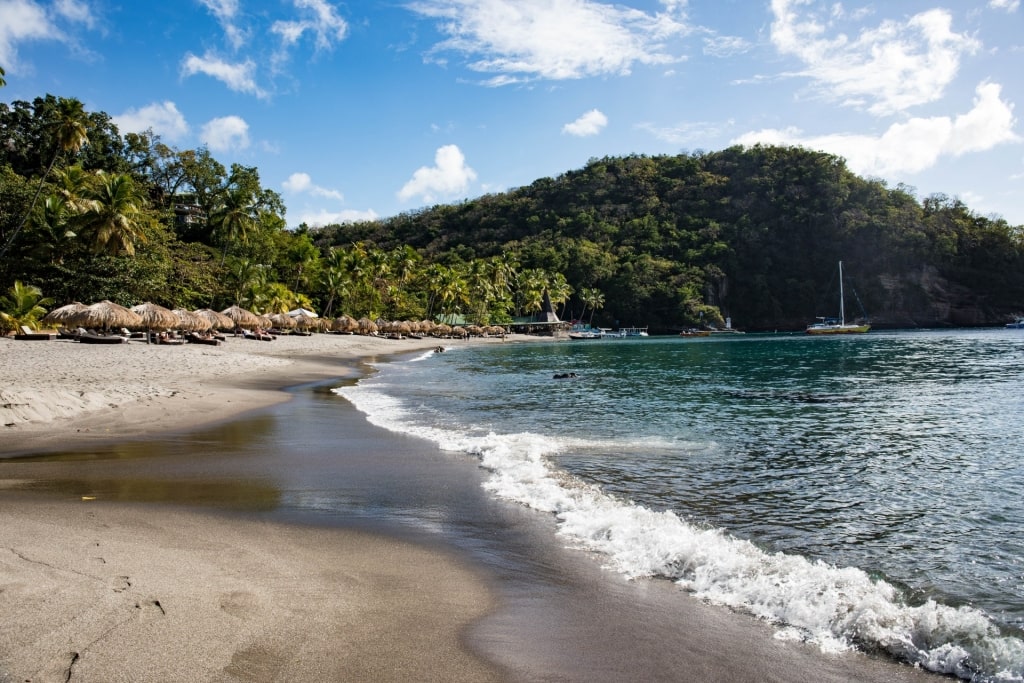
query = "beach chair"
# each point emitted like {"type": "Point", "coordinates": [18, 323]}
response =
{"type": "Point", "coordinates": [27, 334]}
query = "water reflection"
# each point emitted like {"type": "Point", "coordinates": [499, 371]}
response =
{"type": "Point", "coordinates": [234, 494]}
{"type": "Point", "coordinates": [229, 437]}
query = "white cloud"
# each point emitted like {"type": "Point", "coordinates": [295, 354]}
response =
{"type": "Point", "coordinates": [75, 11]}
{"type": "Point", "coordinates": [225, 134]}
{"type": "Point", "coordinates": [321, 20]}
{"type": "Point", "coordinates": [590, 123]}
{"type": "Point", "coordinates": [238, 77]}
{"type": "Point", "coordinates": [226, 12]}
{"type": "Point", "coordinates": [319, 217]}
{"type": "Point", "coordinates": [886, 69]}
{"type": "Point", "coordinates": [726, 46]}
{"type": "Point", "coordinates": [694, 134]}
{"type": "Point", "coordinates": [524, 40]}
{"type": "Point", "coordinates": [23, 20]}
{"type": "Point", "coordinates": [1008, 5]}
{"type": "Point", "coordinates": [914, 145]}
{"type": "Point", "coordinates": [163, 118]}
{"type": "Point", "coordinates": [302, 183]}
{"type": "Point", "coordinates": [449, 177]}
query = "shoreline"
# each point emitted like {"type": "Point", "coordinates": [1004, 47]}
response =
{"type": "Point", "coordinates": [52, 390]}
{"type": "Point", "coordinates": [261, 596]}
{"type": "Point", "coordinates": [142, 591]}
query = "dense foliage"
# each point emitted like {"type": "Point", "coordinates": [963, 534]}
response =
{"type": "Point", "coordinates": [669, 241]}
{"type": "Point", "coordinates": [753, 233]}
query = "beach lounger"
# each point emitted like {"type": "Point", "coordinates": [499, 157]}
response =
{"type": "Point", "coordinates": [102, 339]}
{"type": "Point", "coordinates": [28, 334]}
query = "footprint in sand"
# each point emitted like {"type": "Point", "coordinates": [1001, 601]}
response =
{"type": "Point", "coordinates": [151, 608]}
{"type": "Point", "coordinates": [120, 584]}
{"type": "Point", "coordinates": [239, 604]}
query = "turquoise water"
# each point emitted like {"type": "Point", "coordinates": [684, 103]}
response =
{"type": "Point", "coordinates": [855, 491]}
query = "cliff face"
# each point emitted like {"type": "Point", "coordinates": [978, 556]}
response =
{"type": "Point", "coordinates": [924, 298]}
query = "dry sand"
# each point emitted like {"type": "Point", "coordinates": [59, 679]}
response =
{"type": "Point", "coordinates": [93, 591]}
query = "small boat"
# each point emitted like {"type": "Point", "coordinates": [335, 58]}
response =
{"type": "Point", "coordinates": [695, 333]}
{"type": "Point", "coordinates": [582, 332]}
{"type": "Point", "coordinates": [1017, 324]}
{"type": "Point", "coordinates": [633, 331]}
{"type": "Point", "coordinates": [838, 325]}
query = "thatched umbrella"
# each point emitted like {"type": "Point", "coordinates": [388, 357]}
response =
{"type": "Point", "coordinates": [105, 314]}
{"type": "Point", "coordinates": [344, 323]}
{"type": "Point", "coordinates": [460, 332]}
{"type": "Point", "coordinates": [217, 320]}
{"type": "Point", "coordinates": [155, 317]}
{"type": "Point", "coordinates": [441, 330]}
{"type": "Point", "coordinates": [427, 326]}
{"type": "Point", "coordinates": [191, 321]}
{"type": "Point", "coordinates": [60, 317]}
{"type": "Point", "coordinates": [282, 321]}
{"type": "Point", "coordinates": [302, 321]}
{"type": "Point", "coordinates": [241, 317]}
{"type": "Point", "coordinates": [367, 326]}
{"type": "Point", "coordinates": [475, 331]}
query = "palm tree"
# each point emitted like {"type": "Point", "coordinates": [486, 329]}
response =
{"type": "Point", "coordinates": [2, 74]}
{"type": "Point", "coordinates": [235, 217]}
{"type": "Point", "coordinates": [336, 285]}
{"type": "Point", "coordinates": [119, 215]}
{"type": "Point", "coordinates": [22, 306]}
{"type": "Point", "coordinates": [559, 290]}
{"type": "Point", "coordinates": [593, 299]}
{"type": "Point", "coordinates": [69, 132]}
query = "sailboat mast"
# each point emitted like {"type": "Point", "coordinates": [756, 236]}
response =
{"type": "Point", "coordinates": [842, 306]}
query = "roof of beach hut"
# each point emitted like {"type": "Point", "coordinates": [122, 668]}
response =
{"type": "Point", "coordinates": [241, 317]}
{"type": "Point", "coordinates": [60, 316]}
{"type": "Point", "coordinates": [367, 326]}
{"type": "Point", "coordinates": [344, 323]}
{"type": "Point", "coordinates": [191, 321]}
{"type": "Point", "coordinates": [282, 320]}
{"type": "Point", "coordinates": [105, 314]}
{"type": "Point", "coordinates": [155, 317]}
{"type": "Point", "coordinates": [218, 320]}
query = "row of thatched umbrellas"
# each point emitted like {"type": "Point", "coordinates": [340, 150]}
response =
{"type": "Point", "coordinates": [148, 316]}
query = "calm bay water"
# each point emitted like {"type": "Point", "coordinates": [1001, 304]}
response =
{"type": "Point", "coordinates": [856, 491]}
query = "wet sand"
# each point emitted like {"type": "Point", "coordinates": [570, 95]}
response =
{"type": "Point", "coordinates": [93, 590]}
{"type": "Point", "coordinates": [437, 582]}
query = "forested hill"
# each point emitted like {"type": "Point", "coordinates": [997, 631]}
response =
{"type": "Point", "coordinates": [752, 233]}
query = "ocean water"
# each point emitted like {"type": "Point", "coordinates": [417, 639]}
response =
{"type": "Point", "coordinates": [855, 492]}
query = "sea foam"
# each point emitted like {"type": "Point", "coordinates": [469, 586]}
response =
{"type": "Point", "coordinates": [836, 608]}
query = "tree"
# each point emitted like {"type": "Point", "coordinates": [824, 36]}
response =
{"type": "Point", "coordinates": [118, 217]}
{"type": "Point", "coordinates": [22, 306]}
{"type": "Point", "coordinates": [234, 217]}
{"type": "Point", "coordinates": [593, 299]}
{"type": "Point", "coordinates": [68, 132]}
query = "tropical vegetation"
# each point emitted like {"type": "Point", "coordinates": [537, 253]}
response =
{"type": "Point", "coordinates": [754, 234]}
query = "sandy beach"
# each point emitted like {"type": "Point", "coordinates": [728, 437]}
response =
{"type": "Point", "coordinates": [116, 567]}
{"type": "Point", "coordinates": [99, 591]}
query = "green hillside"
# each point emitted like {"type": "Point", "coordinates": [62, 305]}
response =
{"type": "Point", "coordinates": [755, 232]}
{"type": "Point", "coordinates": [668, 242]}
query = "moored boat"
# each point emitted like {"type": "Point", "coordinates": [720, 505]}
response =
{"type": "Point", "coordinates": [838, 325]}
{"type": "Point", "coordinates": [1017, 324]}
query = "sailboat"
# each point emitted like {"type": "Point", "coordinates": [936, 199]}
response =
{"type": "Point", "coordinates": [838, 325]}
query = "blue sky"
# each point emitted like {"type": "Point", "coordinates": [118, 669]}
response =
{"type": "Point", "coordinates": [355, 110]}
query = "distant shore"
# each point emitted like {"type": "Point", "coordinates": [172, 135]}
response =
{"type": "Point", "coordinates": [108, 591]}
